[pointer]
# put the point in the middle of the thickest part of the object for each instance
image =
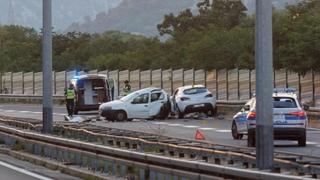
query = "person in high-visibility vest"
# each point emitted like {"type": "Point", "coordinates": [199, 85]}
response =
{"type": "Point", "coordinates": [70, 95]}
{"type": "Point", "coordinates": [126, 88]}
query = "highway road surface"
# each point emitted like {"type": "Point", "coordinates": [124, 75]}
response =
{"type": "Point", "coordinates": [215, 130]}
{"type": "Point", "coordinates": [10, 172]}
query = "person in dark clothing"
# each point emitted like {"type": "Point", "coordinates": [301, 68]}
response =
{"type": "Point", "coordinates": [70, 94]}
{"type": "Point", "coordinates": [126, 88]}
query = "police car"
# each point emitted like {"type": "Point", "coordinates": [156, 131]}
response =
{"type": "Point", "coordinates": [289, 118]}
{"type": "Point", "coordinates": [146, 103]}
{"type": "Point", "coordinates": [196, 98]}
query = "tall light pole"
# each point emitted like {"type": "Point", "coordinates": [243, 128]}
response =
{"type": "Point", "coordinates": [264, 85]}
{"type": "Point", "coordinates": [47, 66]}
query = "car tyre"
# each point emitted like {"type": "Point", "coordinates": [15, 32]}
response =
{"type": "Point", "coordinates": [120, 116]}
{"type": "Point", "coordinates": [181, 115]}
{"type": "Point", "coordinates": [234, 131]}
{"type": "Point", "coordinates": [164, 112]}
{"type": "Point", "coordinates": [251, 141]}
{"type": "Point", "coordinates": [302, 142]}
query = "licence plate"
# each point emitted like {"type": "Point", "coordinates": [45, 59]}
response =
{"type": "Point", "coordinates": [279, 118]}
{"type": "Point", "coordinates": [198, 105]}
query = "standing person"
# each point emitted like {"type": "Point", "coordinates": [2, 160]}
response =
{"type": "Point", "coordinates": [70, 94]}
{"type": "Point", "coordinates": [126, 88]}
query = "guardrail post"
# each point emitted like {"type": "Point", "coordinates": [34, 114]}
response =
{"type": "Point", "coordinates": [217, 85]}
{"type": "Point", "coordinates": [161, 82]}
{"type": "Point", "coordinates": [33, 84]}
{"type": "Point", "coordinates": [11, 82]}
{"type": "Point", "coordinates": [22, 74]}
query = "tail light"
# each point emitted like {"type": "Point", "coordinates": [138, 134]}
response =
{"type": "Point", "coordinates": [184, 98]}
{"type": "Point", "coordinates": [251, 116]}
{"type": "Point", "coordinates": [208, 96]}
{"type": "Point", "coordinates": [300, 114]}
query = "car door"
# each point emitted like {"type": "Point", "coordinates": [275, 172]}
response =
{"type": "Point", "coordinates": [174, 106]}
{"type": "Point", "coordinates": [139, 106]}
{"type": "Point", "coordinates": [157, 100]}
{"type": "Point", "coordinates": [241, 117]}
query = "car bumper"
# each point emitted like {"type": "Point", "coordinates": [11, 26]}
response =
{"type": "Point", "coordinates": [107, 113]}
{"type": "Point", "coordinates": [204, 107]}
{"type": "Point", "coordinates": [284, 133]}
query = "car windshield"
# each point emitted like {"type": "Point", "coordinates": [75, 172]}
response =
{"type": "Point", "coordinates": [129, 96]}
{"type": "Point", "coordinates": [196, 90]}
{"type": "Point", "coordinates": [284, 102]}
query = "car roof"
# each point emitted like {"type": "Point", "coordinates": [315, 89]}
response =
{"type": "Point", "coordinates": [147, 90]}
{"type": "Point", "coordinates": [191, 86]}
{"type": "Point", "coordinates": [90, 76]}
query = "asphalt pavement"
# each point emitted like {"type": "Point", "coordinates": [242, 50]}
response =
{"type": "Point", "coordinates": [216, 130]}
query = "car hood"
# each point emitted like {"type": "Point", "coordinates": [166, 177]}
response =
{"type": "Point", "coordinates": [112, 104]}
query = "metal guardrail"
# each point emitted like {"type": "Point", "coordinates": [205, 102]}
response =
{"type": "Point", "coordinates": [79, 152]}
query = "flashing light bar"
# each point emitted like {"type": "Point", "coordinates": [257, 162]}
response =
{"type": "Point", "coordinates": [284, 90]}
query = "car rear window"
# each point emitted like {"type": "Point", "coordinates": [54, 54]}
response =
{"type": "Point", "coordinates": [284, 102]}
{"type": "Point", "coordinates": [196, 90]}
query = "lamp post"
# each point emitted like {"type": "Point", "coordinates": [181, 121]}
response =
{"type": "Point", "coordinates": [47, 66]}
{"type": "Point", "coordinates": [264, 85]}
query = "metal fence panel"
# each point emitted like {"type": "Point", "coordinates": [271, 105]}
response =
{"type": "Point", "coordinates": [317, 88]}
{"type": "Point", "coordinates": [17, 80]}
{"type": "Point", "coordinates": [280, 78]}
{"type": "Point", "coordinates": [156, 78]}
{"type": "Point", "coordinates": [6, 83]}
{"type": "Point", "coordinates": [211, 82]}
{"type": "Point", "coordinates": [253, 82]}
{"type": "Point", "coordinates": [38, 83]}
{"type": "Point", "coordinates": [188, 76]}
{"type": "Point", "coordinates": [177, 78]}
{"type": "Point", "coordinates": [70, 75]}
{"type": "Point", "coordinates": [115, 76]}
{"type": "Point", "coordinates": [222, 84]}
{"type": "Point", "coordinates": [166, 80]}
{"type": "Point", "coordinates": [293, 80]}
{"type": "Point", "coordinates": [306, 85]}
{"type": "Point", "coordinates": [135, 80]}
{"type": "Point", "coordinates": [244, 84]}
{"type": "Point", "coordinates": [105, 72]}
{"type": "Point", "coordinates": [233, 84]}
{"type": "Point", "coordinates": [28, 83]}
{"type": "Point", "coordinates": [199, 77]}
{"type": "Point", "coordinates": [95, 71]}
{"type": "Point", "coordinates": [60, 82]}
{"type": "Point", "coordinates": [145, 78]}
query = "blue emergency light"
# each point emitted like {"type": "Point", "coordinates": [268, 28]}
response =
{"type": "Point", "coordinates": [284, 90]}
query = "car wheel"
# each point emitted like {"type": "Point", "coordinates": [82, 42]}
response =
{"type": "Point", "coordinates": [251, 142]}
{"type": "Point", "coordinates": [302, 142]}
{"type": "Point", "coordinates": [164, 112]}
{"type": "Point", "coordinates": [120, 116]}
{"type": "Point", "coordinates": [234, 131]}
{"type": "Point", "coordinates": [180, 115]}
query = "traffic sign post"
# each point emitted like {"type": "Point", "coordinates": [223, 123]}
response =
{"type": "Point", "coordinates": [47, 66]}
{"type": "Point", "coordinates": [264, 85]}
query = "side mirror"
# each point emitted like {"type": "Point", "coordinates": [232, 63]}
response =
{"type": "Point", "coordinates": [305, 107]}
{"type": "Point", "coordinates": [246, 107]}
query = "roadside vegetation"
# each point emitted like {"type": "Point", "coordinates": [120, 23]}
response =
{"type": "Point", "coordinates": [215, 36]}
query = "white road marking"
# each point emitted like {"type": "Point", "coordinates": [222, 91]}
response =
{"type": "Point", "coordinates": [223, 130]}
{"type": "Point", "coordinates": [311, 143]}
{"type": "Point", "coordinates": [33, 112]}
{"type": "Point", "coordinates": [175, 125]}
{"type": "Point", "coordinates": [159, 123]}
{"type": "Point", "coordinates": [23, 171]}
{"type": "Point", "coordinates": [207, 129]}
{"type": "Point", "coordinates": [190, 126]}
